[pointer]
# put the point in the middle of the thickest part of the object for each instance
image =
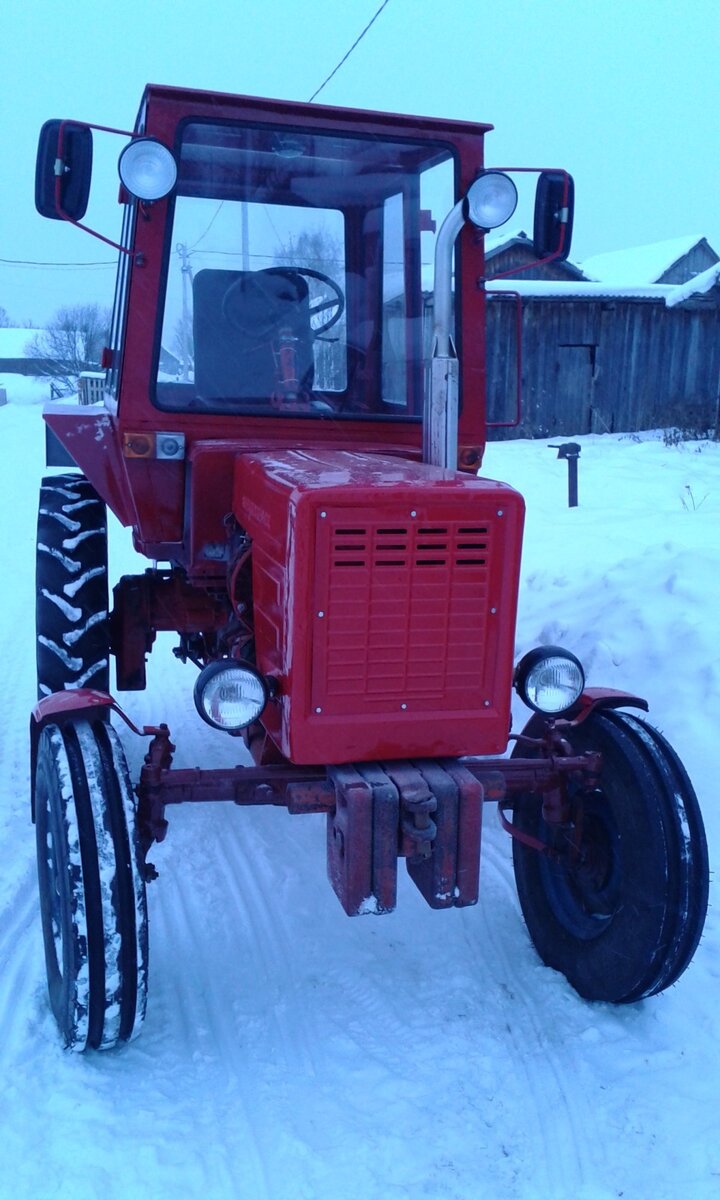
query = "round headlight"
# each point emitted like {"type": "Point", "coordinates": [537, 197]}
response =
{"type": "Point", "coordinates": [230, 695]}
{"type": "Point", "coordinates": [549, 679]}
{"type": "Point", "coordinates": [491, 200]}
{"type": "Point", "coordinates": [147, 169]}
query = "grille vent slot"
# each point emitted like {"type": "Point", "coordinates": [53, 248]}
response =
{"type": "Point", "coordinates": [399, 546]}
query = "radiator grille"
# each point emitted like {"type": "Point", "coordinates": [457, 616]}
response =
{"type": "Point", "coordinates": [404, 613]}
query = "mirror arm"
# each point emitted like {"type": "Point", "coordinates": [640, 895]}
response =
{"type": "Point", "coordinates": [59, 171]}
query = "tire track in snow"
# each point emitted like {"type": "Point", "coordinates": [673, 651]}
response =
{"type": "Point", "coordinates": [561, 1113]}
{"type": "Point", "coordinates": [270, 943]}
{"type": "Point", "coordinates": [20, 940]}
{"type": "Point", "coordinates": [207, 1039]}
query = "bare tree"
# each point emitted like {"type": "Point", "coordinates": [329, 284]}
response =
{"type": "Point", "coordinates": [72, 342]}
{"type": "Point", "coordinates": [183, 345]}
{"type": "Point", "coordinates": [5, 322]}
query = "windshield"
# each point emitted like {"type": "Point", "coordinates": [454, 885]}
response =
{"type": "Point", "coordinates": [299, 270]}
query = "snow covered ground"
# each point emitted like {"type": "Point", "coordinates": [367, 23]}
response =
{"type": "Point", "coordinates": [290, 1053]}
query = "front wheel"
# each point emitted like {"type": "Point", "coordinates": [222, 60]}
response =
{"type": "Point", "coordinates": [621, 914]}
{"type": "Point", "coordinates": [92, 889]}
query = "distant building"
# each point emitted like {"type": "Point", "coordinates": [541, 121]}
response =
{"type": "Point", "coordinates": [14, 357]}
{"type": "Point", "coordinates": [631, 342]}
{"type": "Point", "coordinates": [674, 261]}
{"type": "Point", "coordinates": [513, 251]}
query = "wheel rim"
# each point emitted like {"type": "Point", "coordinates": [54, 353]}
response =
{"type": "Point", "coordinates": [584, 888]}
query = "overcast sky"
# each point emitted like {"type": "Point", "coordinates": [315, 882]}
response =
{"type": "Point", "coordinates": [624, 93]}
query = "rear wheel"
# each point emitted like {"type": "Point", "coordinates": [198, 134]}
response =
{"type": "Point", "coordinates": [71, 587]}
{"type": "Point", "coordinates": [92, 889]}
{"type": "Point", "coordinates": [622, 917]}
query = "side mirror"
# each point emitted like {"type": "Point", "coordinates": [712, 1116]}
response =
{"type": "Point", "coordinates": [65, 155]}
{"type": "Point", "coordinates": [554, 203]}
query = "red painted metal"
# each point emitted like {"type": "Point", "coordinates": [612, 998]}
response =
{"type": "Point", "coordinates": [76, 704]}
{"type": "Point", "coordinates": [157, 511]}
{"type": "Point", "coordinates": [595, 697]}
{"type": "Point", "coordinates": [384, 604]}
{"type": "Point", "coordinates": [386, 820]}
{"type": "Point", "coordinates": [377, 593]}
{"type": "Point", "coordinates": [146, 604]}
{"type": "Point", "coordinates": [58, 182]}
{"type": "Point", "coordinates": [434, 872]}
{"type": "Point", "coordinates": [472, 792]}
{"type": "Point", "coordinates": [350, 841]}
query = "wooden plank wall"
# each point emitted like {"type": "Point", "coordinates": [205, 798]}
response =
{"type": "Point", "coordinates": [609, 365]}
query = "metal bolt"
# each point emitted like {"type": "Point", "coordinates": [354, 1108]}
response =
{"type": "Point", "coordinates": [500, 512]}
{"type": "Point", "coordinates": [323, 514]}
{"type": "Point", "coordinates": [321, 613]}
{"type": "Point", "coordinates": [486, 703]}
{"type": "Point", "coordinates": [493, 610]}
{"type": "Point", "coordinates": [413, 512]}
{"type": "Point", "coordinates": [318, 710]}
{"type": "Point", "coordinates": [403, 706]}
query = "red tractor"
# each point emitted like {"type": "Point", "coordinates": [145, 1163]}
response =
{"type": "Point", "coordinates": [293, 420]}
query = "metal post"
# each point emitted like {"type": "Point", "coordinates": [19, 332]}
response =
{"type": "Point", "coordinates": [571, 452]}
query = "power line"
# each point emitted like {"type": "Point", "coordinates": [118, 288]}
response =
{"type": "Point", "coordinates": [18, 262]}
{"type": "Point", "coordinates": [24, 262]}
{"type": "Point", "coordinates": [345, 57]}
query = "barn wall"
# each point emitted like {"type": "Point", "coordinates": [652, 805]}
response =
{"type": "Point", "coordinates": [697, 260]}
{"type": "Point", "coordinates": [606, 365]}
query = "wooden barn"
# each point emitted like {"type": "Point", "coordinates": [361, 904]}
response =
{"type": "Point", "coordinates": [636, 349]}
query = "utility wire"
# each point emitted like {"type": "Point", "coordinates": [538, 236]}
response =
{"type": "Point", "coordinates": [17, 262]}
{"type": "Point", "coordinates": [345, 57]}
{"type": "Point", "coordinates": [24, 262]}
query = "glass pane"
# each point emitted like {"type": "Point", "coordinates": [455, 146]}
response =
{"type": "Point", "coordinates": [296, 277]}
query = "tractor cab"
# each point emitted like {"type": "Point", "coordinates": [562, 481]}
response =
{"type": "Point", "coordinates": [278, 286]}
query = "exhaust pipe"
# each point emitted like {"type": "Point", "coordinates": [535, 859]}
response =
{"type": "Point", "coordinates": [440, 416]}
{"type": "Point", "coordinates": [490, 202]}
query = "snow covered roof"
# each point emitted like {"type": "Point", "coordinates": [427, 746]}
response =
{"type": "Point", "coordinates": [569, 289]}
{"type": "Point", "coordinates": [496, 241]}
{"type": "Point", "coordinates": [639, 264]}
{"type": "Point", "coordinates": [695, 287]}
{"type": "Point", "coordinates": [670, 294]}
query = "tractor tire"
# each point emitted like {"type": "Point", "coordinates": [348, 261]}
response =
{"type": "Point", "coordinates": [92, 886]}
{"type": "Point", "coordinates": [71, 605]}
{"type": "Point", "coordinates": [623, 921]}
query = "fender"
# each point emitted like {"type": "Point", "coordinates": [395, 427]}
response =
{"type": "Point", "coordinates": [591, 700]}
{"type": "Point", "coordinates": [67, 706]}
{"type": "Point", "coordinates": [597, 697]}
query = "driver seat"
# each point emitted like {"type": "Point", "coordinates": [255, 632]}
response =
{"type": "Point", "coordinates": [238, 317]}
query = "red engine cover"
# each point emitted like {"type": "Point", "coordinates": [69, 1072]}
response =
{"type": "Point", "coordinates": [385, 597]}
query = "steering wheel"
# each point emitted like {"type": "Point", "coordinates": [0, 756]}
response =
{"type": "Point", "coordinates": [336, 301]}
{"type": "Point", "coordinates": [265, 318]}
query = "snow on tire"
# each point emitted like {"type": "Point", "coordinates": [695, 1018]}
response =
{"type": "Point", "coordinates": [92, 891]}
{"type": "Point", "coordinates": [621, 918]}
{"type": "Point", "coordinates": [71, 586]}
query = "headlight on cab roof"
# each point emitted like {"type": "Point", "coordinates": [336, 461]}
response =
{"type": "Point", "coordinates": [491, 200]}
{"type": "Point", "coordinates": [230, 695]}
{"type": "Point", "coordinates": [148, 169]}
{"type": "Point", "coordinates": [549, 680]}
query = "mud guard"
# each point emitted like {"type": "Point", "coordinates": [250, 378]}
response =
{"type": "Point", "coordinates": [67, 706]}
{"type": "Point", "coordinates": [589, 702]}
